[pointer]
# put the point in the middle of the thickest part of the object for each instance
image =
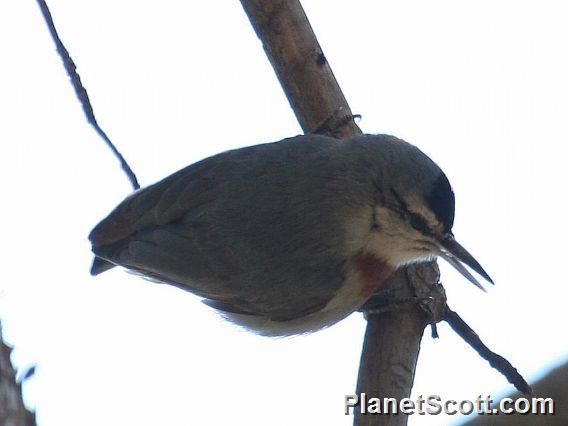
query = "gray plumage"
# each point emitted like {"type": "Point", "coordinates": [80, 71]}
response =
{"type": "Point", "coordinates": [270, 231]}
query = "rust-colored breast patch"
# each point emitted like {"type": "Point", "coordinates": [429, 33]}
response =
{"type": "Point", "coordinates": [373, 271]}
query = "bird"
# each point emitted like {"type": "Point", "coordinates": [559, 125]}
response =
{"type": "Point", "coordinates": [288, 237]}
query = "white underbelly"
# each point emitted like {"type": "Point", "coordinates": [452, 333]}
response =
{"type": "Point", "coordinates": [348, 299]}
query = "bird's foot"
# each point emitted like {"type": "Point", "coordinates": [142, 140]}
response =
{"type": "Point", "coordinates": [424, 290]}
{"type": "Point", "coordinates": [334, 123]}
{"type": "Point", "coordinates": [380, 303]}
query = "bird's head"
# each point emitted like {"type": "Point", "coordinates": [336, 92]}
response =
{"type": "Point", "coordinates": [414, 211]}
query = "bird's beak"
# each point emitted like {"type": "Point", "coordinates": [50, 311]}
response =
{"type": "Point", "coordinates": [457, 256]}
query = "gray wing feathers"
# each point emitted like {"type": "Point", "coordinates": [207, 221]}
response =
{"type": "Point", "coordinates": [237, 230]}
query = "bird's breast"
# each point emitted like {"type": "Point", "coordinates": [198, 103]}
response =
{"type": "Point", "coordinates": [364, 275]}
{"type": "Point", "coordinates": [372, 272]}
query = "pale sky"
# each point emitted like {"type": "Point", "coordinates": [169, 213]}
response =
{"type": "Point", "coordinates": [481, 87]}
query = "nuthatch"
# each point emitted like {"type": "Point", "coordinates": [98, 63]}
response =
{"type": "Point", "coordinates": [288, 237]}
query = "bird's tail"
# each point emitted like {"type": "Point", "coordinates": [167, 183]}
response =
{"type": "Point", "coordinates": [100, 265]}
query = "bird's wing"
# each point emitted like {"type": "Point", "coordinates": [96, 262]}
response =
{"type": "Point", "coordinates": [160, 203]}
{"type": "Point", "coordinates": [239, 229]}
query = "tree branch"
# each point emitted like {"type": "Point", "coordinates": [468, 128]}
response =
{"type": "Point", "coordinates": [393, 336]}
{"type": "Point", "coordinates": [82, 94]}
{"type": "Point", "coordinates": [495, 360]}
{"type": "Point", "coordinates": [392, 340]}
{"type": "Point", "coordinates": [301, 67]}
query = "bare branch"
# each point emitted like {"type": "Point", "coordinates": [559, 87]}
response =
{"type": "Point", "coordinates": [81, 92]}
{"type": "Point", "coordinates": [495, 360]}
{"type": "Point", "coordinates": [392, 341]}
{"type": "Point", "coordinates": [301, 67]}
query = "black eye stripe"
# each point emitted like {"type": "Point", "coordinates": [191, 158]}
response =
{"type": "Point", "coordinates": [416, 221]}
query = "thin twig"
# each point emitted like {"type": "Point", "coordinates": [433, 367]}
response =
{"type": "Point", "coordinates": [495, 360]}
{"type": "Point", "coordinates": [81, 92]}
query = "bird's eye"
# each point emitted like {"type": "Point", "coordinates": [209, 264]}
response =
{"type": "Point", "coordinates": [418, 223]}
